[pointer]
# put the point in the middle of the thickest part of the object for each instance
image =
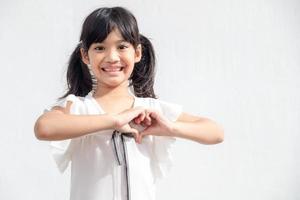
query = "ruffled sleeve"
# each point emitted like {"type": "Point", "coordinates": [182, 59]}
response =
{"type": "Point", "coordinates": [61, 151]}
{"type": "Point", "coordinates": [162, 145]}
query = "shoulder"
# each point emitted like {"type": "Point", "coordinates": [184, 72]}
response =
{"type": "Point", "coordinates": [70, 99]}
{"type": "Point", "coordinates": [69, 104]}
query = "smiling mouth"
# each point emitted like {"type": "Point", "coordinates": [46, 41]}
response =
{"type": "Point", "coordinates": [117, 69]}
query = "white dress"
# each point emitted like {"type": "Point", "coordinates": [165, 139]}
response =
{"type": "Point", "coordinates": [114, 168]}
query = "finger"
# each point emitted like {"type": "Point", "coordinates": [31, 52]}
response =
{"type": "Point", "coordinates": [137, 120]}
{"type": "Point", "coordinates": [148, 118]}
{"type": "Point", "coordinates": [144, 124]}
{"type": "Point", "coordinates": [139, 139]}
{"type": "Point", "coordinates": [134, 113]}
{"type": "Point", "coordinates": [135, 134]}
{"type": "Point", "coordinates": [154, 115]}
{"type": "Point", "coordinates": [142, 118]}
{"type": "Point", "coordinates": [146, 131]}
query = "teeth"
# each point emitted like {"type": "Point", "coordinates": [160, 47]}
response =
{"type": "Point", "coordinates": [112, 69]}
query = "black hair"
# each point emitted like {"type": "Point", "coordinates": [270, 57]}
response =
{"type": "Point", "coordinates": [96, 27]}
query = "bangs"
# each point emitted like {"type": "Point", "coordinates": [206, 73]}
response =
{"type": "Point", "coordinates": [101, 22]}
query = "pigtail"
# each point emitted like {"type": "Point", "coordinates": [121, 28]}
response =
{"type": "Point", "coordinates": [79, 79]}
{"type": "Point", "coordinates": [142, 77]}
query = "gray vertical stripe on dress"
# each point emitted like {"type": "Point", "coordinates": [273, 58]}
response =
{"type": "Point", "coordinates": [118, 139]}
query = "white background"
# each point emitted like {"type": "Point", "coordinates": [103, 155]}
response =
{"type": "Point", "coordinates": [234, 61]}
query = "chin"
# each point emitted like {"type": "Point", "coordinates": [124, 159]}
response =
{"type": "Point", "coordinates": [115, 83]}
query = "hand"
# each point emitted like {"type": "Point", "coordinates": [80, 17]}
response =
{"type": "Point", "coordinates": [144, 120]}
{"type": "Point", "coordinates": [123, 119]}
{"type": "Point", "coordinates": [157, 124]}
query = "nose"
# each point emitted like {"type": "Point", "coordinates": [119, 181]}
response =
{"type": "Point", "coordinates": [112, 56]}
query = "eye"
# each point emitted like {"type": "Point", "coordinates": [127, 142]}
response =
{"type": "Point", "coordinates": [99, 48]}
{"type": "Point", "coordinates": [123, 46]}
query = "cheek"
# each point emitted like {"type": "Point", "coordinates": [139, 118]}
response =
{"type": "Point", "coordinates": [128, 60]}
{"type": "Point", "coordinates": [96, 62]}
{"type": "Point", "coordinates": [129, 69]}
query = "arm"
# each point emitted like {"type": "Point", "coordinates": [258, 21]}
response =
{"type": "Point", "coordinates": [59, 124]}
{"type": "Point", "coordinates": [199, 129]}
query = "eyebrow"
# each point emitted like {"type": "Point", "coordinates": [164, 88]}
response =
{"type": "Point", "coordinates": [121, 41]}
{"type": "Point", "coordinates": [118, 41]}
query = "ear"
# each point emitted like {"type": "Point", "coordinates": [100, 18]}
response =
{"type": "Point", "coordinates": [138, 53]}
{"type": "Point", "coordinates": [84, 56]}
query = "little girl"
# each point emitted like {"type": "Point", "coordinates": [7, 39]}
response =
{"type": "Point", "coordinates": [109, 124]}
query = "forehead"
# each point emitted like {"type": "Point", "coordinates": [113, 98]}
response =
{"type": "Point", "coordinates": [114, 37]}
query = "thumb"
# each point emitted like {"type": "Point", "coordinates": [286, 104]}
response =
{"type": "Point", "coordinates": [146, 131]}
{"type": "Point", "coordinates": [135, 134]}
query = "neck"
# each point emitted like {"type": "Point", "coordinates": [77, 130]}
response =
{"type": "Point", "coordinates": [107, 91]}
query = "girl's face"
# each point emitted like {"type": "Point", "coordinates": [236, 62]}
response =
{"type": "Point", "coordinates": [112, 61]}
